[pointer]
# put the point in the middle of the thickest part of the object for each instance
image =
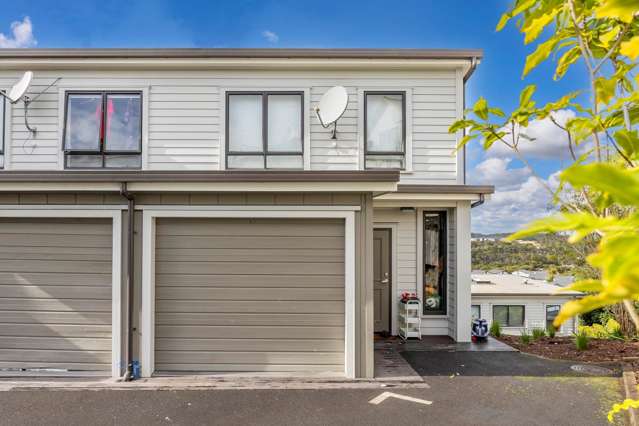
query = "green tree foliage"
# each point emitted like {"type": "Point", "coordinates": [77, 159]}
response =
{"type": "Point", "coordinates": [598, 198]}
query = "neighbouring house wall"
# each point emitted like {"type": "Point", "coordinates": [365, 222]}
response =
{"type": "Point", "coordinates": [183, 117]}
{"type": "Point", "coordinates": [363, 256]}
{"type": "Point", "coordinates": [408, 225]}
{"type": "Point", "coordinates": [534, 315]}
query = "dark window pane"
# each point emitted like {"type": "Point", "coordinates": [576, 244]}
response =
{"type": "Point", "coordinates": [3, 123]}
{"type": "Point", "coordinates": [83, 161]}
{"type": "Point", "coordinates": [123, 123]}
{"type": "Point", "coordinates": [84, 118]}
{"type": "Point", "coordinates": [123, 161]}
{"type": "Point", "coordinates": [515, 316]}
{"type": "Point", "coordinates": [500, 314]}
{"type": "Point", "coordinates": [434, 258]}
{"type": "Point", "coordinates": [551, 314]}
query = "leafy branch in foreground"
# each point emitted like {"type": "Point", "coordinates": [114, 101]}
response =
{"type": "Point", "coordinates": [598, 195]}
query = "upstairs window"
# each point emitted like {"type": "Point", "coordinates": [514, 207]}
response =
{"type": "Point", "coordinates": [385, 130]}
{"type": "Point", "coordinates": [103, 130]}
{"type": "Point", "coordinates": [264, 130]}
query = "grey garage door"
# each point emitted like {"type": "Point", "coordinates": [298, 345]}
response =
{"type": "Point", "coordinates": [249, 295]}
{"type": "Point", "coordinates": [55, 294]}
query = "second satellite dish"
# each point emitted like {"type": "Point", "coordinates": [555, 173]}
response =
{"type": "Point", "coordinates": [18, 90]}
{"type": "Point", "coordinates": [331, 107]}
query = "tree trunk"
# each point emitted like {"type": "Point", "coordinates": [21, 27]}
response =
{"type": "Point", "coordinates": [623, 318]}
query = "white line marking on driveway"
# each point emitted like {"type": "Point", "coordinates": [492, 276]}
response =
{"type": "Point", "coordinates": [385, 395]}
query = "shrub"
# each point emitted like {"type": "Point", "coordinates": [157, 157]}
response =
{"type": "Point", "coordinates": [525, 337]}
{"type": "Point", "coordinates": [551, 331]}
{"type": "Point", "coordinates": [612, 330]}
{"type": "Point", "coordinates": [538, 333]}
{"type": "Point", "coordinates": [495, 329]}
{"type": "Point", "coordinates": [581, 341]}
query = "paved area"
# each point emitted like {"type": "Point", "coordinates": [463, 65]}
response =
{"type": "Point", "coordinates": [446, 344]}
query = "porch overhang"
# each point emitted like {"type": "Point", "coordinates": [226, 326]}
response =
{"type": "Point", "coordinates": [416, 195]}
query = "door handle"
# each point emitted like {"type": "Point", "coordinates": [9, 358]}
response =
{"type": "Point", "coordinates": [384, 281]}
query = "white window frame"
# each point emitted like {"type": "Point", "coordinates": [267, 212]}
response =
{"type": "Point", "coordinates": [408, 169]}
{"type": "Point", "coordinates": [116, 261]}
{"type": "Point", "coordinates": [144, 90]}
{"type": "Point", "coordinates": [151, 213]}
{"type": "Point", "coordinates": [306, 131]}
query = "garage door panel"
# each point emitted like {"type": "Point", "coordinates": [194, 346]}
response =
{"type": "Point", "coordinates": [292, 294]}
{"type": "Point", "coordinates": [249, 281]}
{"type": "Point", "coordinates": [236, 242]}
{"type": "Point", "coordinates": [53, 240]}
{"type": "Point", "coordinates": [249, 319]}
{"type": "Point", "coordinates": [43, 279]}
{"type": "Point", "coordinates": [250, 368]}
{"type": "Point", "coordinates": [252, 345]}
{"type": "Point", "coordinates": [249, 295]}
{"type": "Point", "coordinates": [162, 306]}
{"type": "Point", "coordinates": [55, 330]}
{"type": "Point", "coordinates": [249, 255]}
{"type": "Point", "coordinates": [45, 317]}
{"type": "Point", "coordinates": [260, 268]}
{"type": "Point", "coordinates": [55, 293]}
{"type": "Point", "coordinates": [55, 305]}
{"type": "Point", "coordinates": [56, 343]}
{"type": "Point", "coordinates": [252, 332]}
{"type": "Point", "coordinates": [223, 357]}
{"type": "Point", "coordinates": [242, 227]}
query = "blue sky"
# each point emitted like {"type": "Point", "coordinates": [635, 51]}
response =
{"type": "Point", "coordinates": [416, 24]}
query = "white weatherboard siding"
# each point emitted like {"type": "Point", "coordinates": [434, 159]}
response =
{"type": "Point", "coordinates": [184, 122]}
{"type": "Point", "coordinates": [534, 315]}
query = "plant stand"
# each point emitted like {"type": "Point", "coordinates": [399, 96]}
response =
{"type": "Point", "coordinates": [410, 319]}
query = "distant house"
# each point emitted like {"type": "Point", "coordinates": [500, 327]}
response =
{"type": "Point", "coordinates": [535, 275]}
{"type": "Point", "coordinates": [563, 280]}
{"type": "Point", "coordinates": [519, 303]}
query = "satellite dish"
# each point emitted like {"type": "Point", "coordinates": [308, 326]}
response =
{"type": "Point", "coordinates": [331, 107]}
{"type": "Point", "coordinates": [18, 90]}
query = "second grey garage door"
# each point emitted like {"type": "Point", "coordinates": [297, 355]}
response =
{"type": "Point", "coordinates": [249, 295]}
{"type": "Point", "coordinates": [55, 294]}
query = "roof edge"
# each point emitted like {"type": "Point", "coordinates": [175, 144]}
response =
{"type": "Point", "coordinates": [271, 53]}
{"type": "Point", "coordinates": [446, 189]}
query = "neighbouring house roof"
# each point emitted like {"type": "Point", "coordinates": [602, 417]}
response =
{"type": "Point", "coordinates": [194, 53]}
{"type": "Point", "coordinates": [511, 285]}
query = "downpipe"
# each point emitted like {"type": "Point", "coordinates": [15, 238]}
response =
{"type": "Point", "coordinates": [479, 202]}
{"type": "Point", "coordinates": [128, 375]}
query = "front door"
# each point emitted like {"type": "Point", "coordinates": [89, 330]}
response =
{"type": "Point", "coordinates": [382, 279]}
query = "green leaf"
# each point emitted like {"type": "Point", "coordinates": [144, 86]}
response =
{"type": "Point", "coordinates": [623, 10]}
{"type": "Point", "coordinates": [630, 48]}
{"type": "Point", "coordinates": [481, 108]}
{"type": "Point", "coordinates": [496, 111]}
{"type": "Point", "coordinates": [621, 184]}
{"type": "Point", "coordinates": [519, 7]}
{"type": "Point", "coordinates": [586, 286]}
{"type": "Point", "coordinates": [459, 125]}
{"type": "Point", "coordinates": [534, 26]}
{"type": "Point", "coordinates": [526, 95]}
{"type": "Point", "coordinates": [607, 37]}
{"type": "Point", "coordinates": [565, 61]}
{"type": "Point", "coordinates": [628, 140]}
{"type": "Point", "coordinates": [464, 141]}
{"type": "Point", "coordinates": [605, 89]}
{"type": "Point", "coordinates": [541, 53]}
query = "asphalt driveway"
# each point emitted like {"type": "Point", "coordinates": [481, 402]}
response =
{"type": "Point", "coordinates": [465, 389]}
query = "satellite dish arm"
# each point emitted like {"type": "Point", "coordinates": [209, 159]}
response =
{"type": "Point", "coordinates": [326, 126]}
{"type": "Point", "coordinates": [27, 101]}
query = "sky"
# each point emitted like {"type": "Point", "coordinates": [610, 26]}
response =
{"type": "Point", "coordinates": [520, 195]}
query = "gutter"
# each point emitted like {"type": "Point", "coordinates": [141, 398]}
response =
{"type": "Point", "coordinates": [130, 263]}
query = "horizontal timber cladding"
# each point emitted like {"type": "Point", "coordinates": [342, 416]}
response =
{"type": "Point", "coordinates": [249, 295]}
{"type": "Point", "coordinates": [55, 294]}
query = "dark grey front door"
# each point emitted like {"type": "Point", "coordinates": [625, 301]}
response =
{"type": "Point", "coordinates": [382, 279]}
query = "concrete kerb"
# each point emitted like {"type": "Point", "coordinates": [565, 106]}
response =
{"type": "Point", "coordinates": [208, 382]}
{"type": "Point", "coordinates": [629, 380]}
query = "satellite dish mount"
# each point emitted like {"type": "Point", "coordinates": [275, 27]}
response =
{"type": "Point", "coordinates": [17, 93]}
{"type": "Point", "coordinates": [331, 108]}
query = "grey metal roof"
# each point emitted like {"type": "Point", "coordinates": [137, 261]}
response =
{"type": "Point", "coordinates": [77, 53]}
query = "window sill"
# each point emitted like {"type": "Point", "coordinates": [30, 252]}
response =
{"type": "Point", "coordinates": [435, 316]}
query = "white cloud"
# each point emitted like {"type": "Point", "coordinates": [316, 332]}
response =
{"type": "Point", "coordinates": [270, 36]}
{"type": "Point", "coordinates": [21, 35]}
{"type": "Point", "coordinates": [519, 196]}
{"type": "Point", "coordinates": [549, 141]}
